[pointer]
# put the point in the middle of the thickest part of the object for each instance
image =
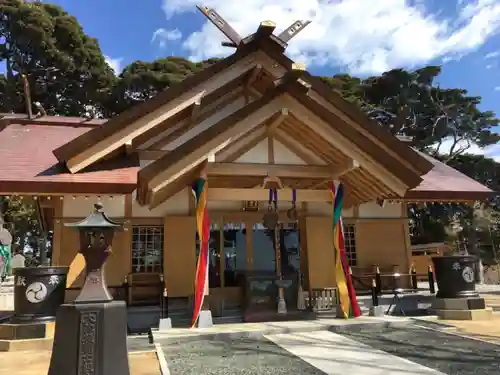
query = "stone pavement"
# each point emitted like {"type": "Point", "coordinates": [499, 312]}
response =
{"type": "Point", "coordinates": [256, 329]}
{"type": "Point", "coordinates": [37, 363]}
{"type": "Point", "coordinates": [426, 345]}
{"type": "Point", "coordinates": [335, 354]}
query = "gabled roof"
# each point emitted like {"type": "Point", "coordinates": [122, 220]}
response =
{"type": "Point", "coordinates": [292, 95]}
{"type": "Point", "coordinates": [123, 128]}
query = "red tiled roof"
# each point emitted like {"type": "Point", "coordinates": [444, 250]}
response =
{"type": "Point", "coordinates": [26, 157]}
{"type": "Point", "coordinates": [444, 182]}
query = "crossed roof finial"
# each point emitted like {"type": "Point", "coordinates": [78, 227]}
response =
{"type": "Point", "coordinates": [235, 38]}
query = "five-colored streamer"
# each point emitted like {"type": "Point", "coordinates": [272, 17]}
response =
{"type": "Point", "coordinates": [347, 294]}
{"type": "Point", "coordinates": [199, 189]}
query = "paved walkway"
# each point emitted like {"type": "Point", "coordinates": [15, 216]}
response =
{"type": "Point", "coordinates": [334, 354]}
{"type": "Point", "coordinates": [37, 363]}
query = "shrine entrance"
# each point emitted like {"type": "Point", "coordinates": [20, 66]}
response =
{"type": "Point", "coordinates": [242, 253]}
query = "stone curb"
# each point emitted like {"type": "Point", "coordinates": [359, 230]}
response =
{"type": "Point", "coordinates": [259, 334]}
{"type": "Point", "coordinates": [162, 361]}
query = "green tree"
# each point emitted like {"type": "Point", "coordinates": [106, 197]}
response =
{"type": "Point", "coordinates": [140, 80]}
{"type": "Point", "coordinates": [409, 103]}
{"type": "Point", "coordinates": [65, 68]}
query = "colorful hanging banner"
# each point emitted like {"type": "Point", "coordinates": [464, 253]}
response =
{"type": "Point", "coordinates": [347, 294]}
{"type": "Point", "coordinates": [199, 189]}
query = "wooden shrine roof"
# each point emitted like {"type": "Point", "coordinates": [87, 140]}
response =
{"type": "Point", "coordinates": [70, 155]}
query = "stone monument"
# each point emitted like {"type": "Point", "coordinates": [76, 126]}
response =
{"type": "Point", "coordinates": [91, 333]}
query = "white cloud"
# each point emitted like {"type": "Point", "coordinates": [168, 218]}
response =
{"type": "Point", "coordinates": [492, 151]}
{"type": "Point", "coordinates": [163, 36]}
{"type": "Point", "coordinates": [491, 55]}
{"type": "Point", "coordinates": [490, 66]}
{"type": "Point", "coordinates": [365, 36]}
{"type": "Point", "coordinates": [115, 64]}
{"type": "Point", "coordinates": [497, 88]}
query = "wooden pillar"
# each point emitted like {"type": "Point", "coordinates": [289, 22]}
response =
{"type": "Point", "coordinates": [127, 261]}
{"type": "Point", "coordinates": [406, 235]}
{"type": "Point", "coordinates": [57, 235]}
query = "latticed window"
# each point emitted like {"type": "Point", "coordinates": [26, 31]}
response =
{"type": "Point", "coordinates": [350, 243]}
{"type": "Point", "coordinates": [147, 248]}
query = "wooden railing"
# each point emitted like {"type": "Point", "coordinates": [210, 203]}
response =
{"type": "Point", "coordinates": [324, 299]}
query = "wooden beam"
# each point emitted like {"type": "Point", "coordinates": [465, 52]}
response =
{"type": "Point", "coordinates": [195, 111]}
{"type": "Point", "coordinates": [221, 24]}
{"type": "Point", "coordinates": [256, 194]}
{"type": "Point", "coordinates": [177, 130]}
{"type": "Point", "coordinates": [250, 81]}
{"type": "Point", "coordinates": [270, 150]}
{"type": "Point", "coordinates": [293, 75]}
{"type": "Point", "coordinates": [293, 30]}
{"type": "Point", "coordinates": [337, 173]}
{"type": "Point", "coordinates": [341, 143]}
{"type": "Point", "coordinates": [271, 128]}
{"type": "Point", "coordinates": [276, 170]}
{"type": "Point", "coordinates": [157, 198]}
{"type": "Point", "coordinates": [196, 150]}
{"type": "Point", "coordinates": [153, 118]}
{"type": "Point", "coordinates": [253, 75]}
{"type": "Point", "coordinates": [265, 29]}
{"type": "Point", "coordinates": [223, 110]}
{"type": "Point", "coordinates": [242, 145]}
{"type": "Point", "coordinates": [151, 154]}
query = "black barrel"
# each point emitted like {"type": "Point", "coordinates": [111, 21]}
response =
{"type": "Point", "coordinates": [455, 276]}
{"type": "Point", "coordinates": [38, 293]}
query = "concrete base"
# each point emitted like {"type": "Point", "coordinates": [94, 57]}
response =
{"type": "Point", "coordinates": [459, 304]}
{"type": "Point", "coordinates": [377, 311]}
{"type": "Point", "coordinates": [205, 319]}
{"type": "Point", "coordinates": [165, 324]}
{"type": "Point", "coordinates": [478, 314]}
{"type": "Point", "coordinates": [29, 336]}
{"type": "Point", "coordinates": [38, 330]}
{"type": "Point", "coordinates": [25, 345]}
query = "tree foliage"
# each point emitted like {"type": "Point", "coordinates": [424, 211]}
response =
{"type": "Point", "coordinates": [65, 68]}
{"type": "Point", "coordinates": [142, 80]}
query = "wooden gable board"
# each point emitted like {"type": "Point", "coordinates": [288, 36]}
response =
{"type": "Point", "coordinates": [277, 63]}
{"type": "Point", "coordinates": [95, 144]}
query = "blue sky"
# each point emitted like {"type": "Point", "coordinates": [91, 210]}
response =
{"type": "Point", "coordinates": [360, 37]}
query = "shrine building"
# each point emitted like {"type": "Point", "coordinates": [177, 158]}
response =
{"type": "Point", "coordinates": [251, 121]}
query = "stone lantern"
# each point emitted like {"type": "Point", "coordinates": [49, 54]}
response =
{"type": "Point", "coordinates": [91, 333]}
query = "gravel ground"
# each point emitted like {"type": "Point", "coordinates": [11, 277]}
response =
{"type": "Point", "coordinates": [450, 354]}
{"type": "Point", "coordinates": [239, 356]}
{"type": "Point", "coordinates": [139, 344]}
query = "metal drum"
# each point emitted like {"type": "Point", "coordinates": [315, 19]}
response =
{"type": "Point", "coordinates": [38, 293]}
{"type": "Point", "coordinates": [455, 276]}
